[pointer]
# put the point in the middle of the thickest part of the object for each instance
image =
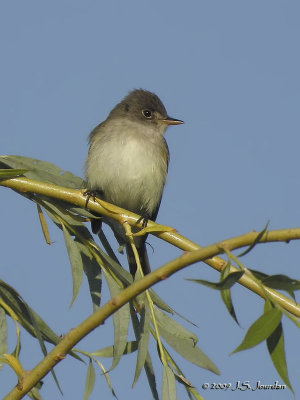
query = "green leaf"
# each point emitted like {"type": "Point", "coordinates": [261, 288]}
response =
{"type": "Point", "coordinates": [43, 347]}
{"type": "Point", "coordinates": [151, 376]}
{"type": "Point", "coordinates": [3, 333]}
{"type": "Point", "coordinates": [227, 300]}
{"type": "Point", "coordinates": [226, 283]}
{"type": "Point", "coordinates": [261, 329]}
{"type": "Point", "coordinates": [26, 315]}
{"type": "Point", "coordinates": [43, 171]}
{"type": "Point", "coordinates": [124, 276]}
{"type": "Point", "coordinates": [83, 212]}
{"type": "Point", "coordinates": [58, 208]}
{"type": "Point", "coordinates": [34, 394]}
{"type": "Point", "coordinates": [43, 224]}
{"type": "Point", "coordinates": [11, 173]}
{"type": "Point", "coordinates": [75, 261]}
{"type": "Point", "coordinates": [159, 302]}
{"type": "Point", "coordinates": [120, 320]}
{"type": "Point", "coordinates": [27, 318]}
{"type": "Point", "coordinates": [148, 364]}
{"type": "Point", "coordinates": [12, 298]}
{"type": "Point", "coordinates": [173, 327]}
{"type": "Point", "coordinates": [144, 330]}
{"type": "Point", "coordinates": [106, 376]}
{"type": "Point", "coordinates": [93, 273]}
{"type": "Point", "coordinates": [281, 282]}
{"type": "Point", "coordinates": [109, 350]}
{"type": "Point", "coordinates": [17, 350]}
{"type": "Point", "coordinates": [275, 344]}
{"type": "Point", "coordinates": [256, 240]}
{"type": "Point", "coordinates": [168, 384]}
{"type": "Point", "coordinates": [58, 213]}
{"type": "Point", "coordinates": [183, 341]}
{"type": "Point", "coordinates": [226, 293]}
{"type": "Point", "coordinates": [89, 381]}
{"type": "Point", "coordinates": [179, 376]}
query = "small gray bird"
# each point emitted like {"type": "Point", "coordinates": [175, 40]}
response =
{"type": "Point", "coordinates": [127, 164]}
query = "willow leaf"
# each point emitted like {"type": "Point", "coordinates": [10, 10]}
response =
{"type": "Point", "coordinates": [120, 321]}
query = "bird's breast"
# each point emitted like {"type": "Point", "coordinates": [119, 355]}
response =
{"type": "Point", "coordinates": [130, 170]}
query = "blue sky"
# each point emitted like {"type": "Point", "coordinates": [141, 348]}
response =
{"type": "Point", "coordinates": [230, 70]}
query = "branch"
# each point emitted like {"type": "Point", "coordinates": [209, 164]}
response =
{"type": "Point", "coordinates": [97, 318]}
{"type": "Point", "coordinates": [194, 254]}
{"type": "Point", "coordinates": [169, 235]}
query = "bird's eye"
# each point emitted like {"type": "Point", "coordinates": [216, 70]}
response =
{"type": "Point", "coordinates": [147, 113]}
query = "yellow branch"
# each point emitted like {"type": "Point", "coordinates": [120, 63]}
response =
{"type": "Point", "coordinates": [97, 318]}
{"type": "Point", "coordinates": [78, 198]}
{"type": "Point", "coordinates": [194, 253]}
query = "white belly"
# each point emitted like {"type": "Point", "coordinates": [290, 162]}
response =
{"type": "Point", "coordinates": [129, 169]}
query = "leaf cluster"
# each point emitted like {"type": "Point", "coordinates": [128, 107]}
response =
{"type": "Point", "coordinates": [150, 317]}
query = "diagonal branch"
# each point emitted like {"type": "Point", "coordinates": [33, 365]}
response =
{"type": "Point", "coordinates": [193, 253]}
{"type": "Point", "coordinates": [169, 235]}
{"type": "Point", "coordinates": [97, 318]}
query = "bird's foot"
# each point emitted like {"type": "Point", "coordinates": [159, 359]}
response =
{"type": "Point", "coordinates": [92, 193]}
{"type": "Point", "coordinates": [143, 220]}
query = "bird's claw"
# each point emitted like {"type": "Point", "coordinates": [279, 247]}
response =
{"type": "Point", "coordinates": [91, 193]}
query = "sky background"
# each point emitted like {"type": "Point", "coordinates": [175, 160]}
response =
{"type": "Point", "coordinates": [230, 70]}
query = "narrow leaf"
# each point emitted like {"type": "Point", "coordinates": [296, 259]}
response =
{"type": "Point", "coordinates": [256, 240]}
{"type": "Point", "coordinates": [159, 302]}
{"type": "Point", "coordinates": [226, 283]}
{"type": "Point", "coordinates": [282, 282]}
{"type": "Point", "coordinates": [168, 384]}
{"type": "Point", "coordinates": [34, 394]}
{"type": "Point", "coordinates": [172, 326]}
{"type": "Point", "coordinates": [13, 299]}
{"type": "Point", "coordinates": [148, 364]}
{"type": "Point", "coordinates": [107, 247]}
{"type": "Point", "coordinates": [43, 224]}
{"type": "Point", "coordinates": [261, 329]}
{"type": "Point", "coordinates": [83, 213]}
{"type": "Point", "coordinates": [179, 376]}
{"type": "Point", "coordinates": [13, 362]}
{"type": "Point", "coordinates": [89, 381]}
{"type": "Point", "coordinates": [58, 211]}
{"type": "Point", "coordinates": [143, 341]}
{"type": "Point", "coordinates": [189, 351]}
{"type": "Point", "coordinates": [17, 349]}
{"type": "Point", "coordinates": [275, 344]}
{"type": "Point", "coordinates": [28, 318]}
{"type": "Point", "coordinates": [3, 332]}
{"type": "Point", "coordinates": [43, 171]}
{"type": "Point", "coordinates": [226, 293]}
{"type": "Point", "coordinates": [121, 322]}
{"type": "Point", "coordinates": [75, 261]}
{"type": "Point", "coordinates": [93, 273]}
{"type": "Point", "coordinates": [124, 276]}
{"type": "Point", "coordinates": [106, 376]}
{"type": "Point", "coordinates": [11, 173]}
{"type": "Point", "coordinates": [183, 342]}
{"type": "Point", "coordinates": [153, 229]}
{"type": "Point", "coordinates": [38, 334]}
{"type": "Point", "coordinates": [109, 351]}
{"type": "Point", "coordinates": [151, 376]}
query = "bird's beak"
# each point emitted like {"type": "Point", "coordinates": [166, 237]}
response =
{"type": "Point", "coordinates": [171, 121]}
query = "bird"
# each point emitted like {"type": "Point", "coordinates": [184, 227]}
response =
{"type": "Point", "coordinates": [127, 164]}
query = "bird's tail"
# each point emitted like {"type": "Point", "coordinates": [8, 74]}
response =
{"type": "Point", "coordinates": [142, 251]}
